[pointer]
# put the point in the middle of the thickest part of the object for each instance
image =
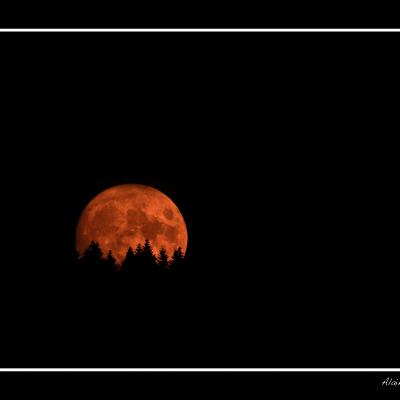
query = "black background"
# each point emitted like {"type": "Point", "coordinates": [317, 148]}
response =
{"type": "Point", "coordinates": [182, 384]}
{"type": "Point", "coordinates": [199, 15]}
{"type": "Point", "coordinates": [277, 149]}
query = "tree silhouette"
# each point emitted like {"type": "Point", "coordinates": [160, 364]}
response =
{"type": "Point", "coordinates": [92, 258]}
{"type": "Point", "coordinates": [178, 260]}
{"type": "Point", "coordinates": [147, 259]}
{"type": "Point", "coordinates": [139, 250]}
{"type": "Point", "coordinates": [128, 264]}
{"type": "Point", "coordinates": [147, 253]}
{"type": "Point", "coordinates": [162, 259]}
{"type": "Point", "coordinates": [110, 263]}
{"type": "Point", "coordinates": [141, 262]}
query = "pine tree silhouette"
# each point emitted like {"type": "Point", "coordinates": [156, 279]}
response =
{"type": "Point", "coordinates": [141, 262]}
{"type": "Point", "coordinates": [128, 265]}
{"type": "Point", "coordinates": [92, 260]}
{"type": "Point", "coordinates": [147, 253]}
{"type": "Point", "coordinates": [148, 260]}
{"type": "Point", "coordinates": [139, 250]}
{"type": "Point", "coordinates": [110, 263]}
{"type": "Point", "coordinates": [162, 259]}
{"type": "Point", "coordinates": [178, 260]}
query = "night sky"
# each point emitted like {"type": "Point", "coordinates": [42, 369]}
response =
{"type": "Point", "coordinates": [273, 152]}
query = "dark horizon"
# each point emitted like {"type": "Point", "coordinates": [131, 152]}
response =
{"type": "Point", "coordinates": [96, 261]}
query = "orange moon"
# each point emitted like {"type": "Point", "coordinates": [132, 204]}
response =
{"type": "Point", "coordinates": [126, 215]}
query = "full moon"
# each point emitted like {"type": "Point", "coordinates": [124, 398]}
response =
{"type": "Point", "coordinates": [127, 215]}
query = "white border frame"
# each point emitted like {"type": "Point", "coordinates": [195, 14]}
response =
{"type": "Point", "coordinates": [199, 369]}
{"type": "Point", "coordinates": [197, 30]}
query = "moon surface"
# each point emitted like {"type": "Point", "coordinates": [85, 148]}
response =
{"type": "Point", "coordinates": [127, 215]}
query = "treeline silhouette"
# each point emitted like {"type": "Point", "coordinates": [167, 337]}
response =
{"type": "Point", "coordinates": [141, 261]}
